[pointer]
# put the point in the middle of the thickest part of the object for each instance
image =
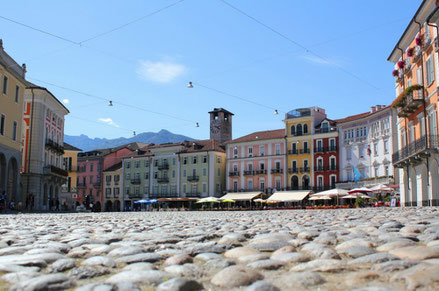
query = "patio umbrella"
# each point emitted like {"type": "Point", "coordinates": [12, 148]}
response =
{"type": "Point", "coordinates": [208, 199]}
{"type": "Point", "coordinates": [381, 187]}
{"type": "Point", "coordinates": [332, 193]}
{"type": "Point", "coordinates": [360, 190]}
{"type": "Point", "coordinates": [228, 201]}
{"type": "Point", "coordinates": [349, 196]}
{"type": "Point", "coordinates": [325, 198]}
{"type": "Point", "coordinates": [365, 197]}
{"type": "Point", "coordinates": [259, 200]}
{"type": "Point", "coordinates": [314, 198]}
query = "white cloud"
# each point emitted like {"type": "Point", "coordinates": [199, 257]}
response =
{"type": "Point", "coordinates": [66, 101]}
{"type": "Point", "coordinates": [161, 72]}
{"type": "Point", "coordinates": [109, 121]}
{"type": "Point", "coordinates": [319, 61]}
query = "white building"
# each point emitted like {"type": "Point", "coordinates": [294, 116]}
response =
{"type": "Point", "coordinates": [366, 144]}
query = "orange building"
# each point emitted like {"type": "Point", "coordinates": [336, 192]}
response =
{"type": "Point", "coordinates": [416, 72]}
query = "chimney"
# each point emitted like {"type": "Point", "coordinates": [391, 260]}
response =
{"type": "Point", "coordinates": [372, 109]}
{"type": "Point", "coordinates": [1, 44]}
{"type": "Point", "coordinates": [378, 107]}
{"type": "Point", "coordinates": [24, 70]}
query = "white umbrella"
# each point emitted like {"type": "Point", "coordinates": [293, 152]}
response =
{"type": "Point", "coordinates": [365, 197]}
{"type": "Point", "coordinates": [314, 198]}
{"type": "Point", "coordinates": [381, 187]}
{"type": "Point", "coordinates": [332, 193]}
{"type": "Point", "coordinates": [359, 190]}
{"type": "Point", "coordinates": [349, 196]}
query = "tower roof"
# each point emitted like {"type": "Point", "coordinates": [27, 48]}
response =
{"type": "Point", "coordinates": [221, 110]}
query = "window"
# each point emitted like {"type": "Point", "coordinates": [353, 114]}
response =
{"type": "Point", "coordinates": [319, 146]}
{"type": "Point", "coordinates": [128, 165]}
{"type": "Point", "coordinates": [333, 181]}
{"type": "Point", "coordinates": [127, 190]}
{"type": "Point", "coordinates": [261, 166]}
{"type": "Point", "coordinates": [146, 175]}
{"type": "Point", "coordinates": [250, 167]}
{"type": "Point", "coordinates": [156, 163]}
{"type": "Point", "coordinates": [305, 146]}
{"type": "Point", "coordinates": [235, 152]}
{"type": "Point", "coordinates": [156, 175]}
{"type": "Point", "coordinates": [277, 165]}
{"type": "Point", "coordinates": [91, 167]}
{"type": "Point", "coordinates": [277, 183]}
{"type": "Point", "coordinates": [294, 148]}
{"type": "Point", "coordinates": [348, 153]}
{"type": "Point", "coordinates": [194, 159]}
{"type": "Point", "coordinates": [299, 129]}
{"type": "Point", "coordinates": [332, 163]}
{"type": "Point", "coordinates": [361, 151]}
{"type": "Point", "coordinates": [262, 185]}
{"type": "Point", "coordinates": [250, 184]}
{"type": "Point", "coordinates": [386, 170]}
{"type": "Point", "coordinates": [204, 188]}
{"type": "Point", "coordinates": [204, 172]}
{"type": "Point", "coordinates": [91, 179]}
{"type": "Point", "coordinates": [386, 146]}
{"type": "Point", "coordinates": [116, 192]}
{"type": "Point", "coordinates": [116, 179]}
{"type": "Point", "coordinates": [320, 182]}
{"type": "Point", "coordinates": [173, 173]}
{"type": "Point", "coordinates": [137, 164]}
{"type": "Point", "coordinates": [364, 130]}
{"type": "Point", "coordinates": [235, 168]}
{"type": "Point", "coordinates": [185, 161]}
{"type": "Point", "coordinates": [376, 171]}
{"type": "Point", "coordinates": [146, 163]}
{"type": "Point", "coordinates": [5, 85]}
{"type": "Point", "coordinates": [430, 70]}
{"type": "Point", "coordinates": [305, 128]}
{"type": "Point", "coordinates": [204, 159]}
{"type": "Point", "coordinates": [107, 192]}
{"type": "Point", "coordinates": [184, 173]}
{"type": "Point", "coordinates": [419, 75]}
{"type": "Point", "coordinates": [108, 179]}
{"type": "Point", "coordinates": [262, 150]}
{"type": "Point", "coordinates": [184, 188]}
{"type": "Point", "coordinates": [250, 152]}
{"type": "Point", "coordinates": [218, 188]}
{"type": "Point", "coordinates": [14, 130]}
{"type": "Point", "coordinates": [17, 93]}
{"type": "Point", "coordinates": [235, 186]}
{"type": "Point", "coordinates": [218, 160]}
{"type": "Point", "coordinates": [375, 149]}
{"type": "Point", "coordinates": [305, 164]}
{"type": "Point", "coordinates": [277, 149]}
{"type": "Point", "coordinates": [137, 190]}
{"type": "Point", "coordinates": [128, 176]}
{"type": "Point", "coordinates": [294, 164]}
{"type": "Point", "coordinates": [293, 130]}
{"type": "Point", "coordinates": [422, 125]}
{"type": "Point", "coordinates": [332, 144]}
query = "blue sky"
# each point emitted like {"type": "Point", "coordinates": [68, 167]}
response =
{"type": "Point", "coordinates": [148, 64]}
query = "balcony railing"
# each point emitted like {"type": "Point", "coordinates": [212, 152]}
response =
{"type": "Point", "coordinates": [248, 173]}
{"type": "Point", "coordinates": [415, 151]}
{"type": "Point", "coordinates": [319, 150]}
{"type": "Point", "coordinates": [260, 172]}
{"type": "Point", "coordinates": [427, 43]}
{"type": "Point", "coordinates": [164, 166]}
{"type": "Point", "coordinates": [332, 168]}
{"type": "Point", "coordinates": [193, 178]}
{"type": "Point", "coordinates": [325, 149]}
{"type": "Point", "coordinates": [305, 170]}
{"type": "Point", "coordinates": [135, 181]}
{"type": "Point", "coordinates": [319, 169]}
{"type": "Point", "coordinates": [53, 146]}
{"type": "Point", "coordinates": [162, 195]}
{"type": "Point", "coordinates": [304, 151]}
{"type": "Point", "coordinates": [293, 152]}
{"type": "Point", "coordinates": [163, 180]}
{"type": "Point", "coordinates": [55, 170]}
{"type": "Point", "coordinates": [234, 173]}
{"type": "Point", "coordinates": [412, 102]}
{"type": "Point", "coordinates": [277, 171]}
{"type": "Point", "coordinates": [293, 170]}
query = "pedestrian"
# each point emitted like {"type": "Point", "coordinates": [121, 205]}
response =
{"type": "Point", "coordinates": [57, 204]}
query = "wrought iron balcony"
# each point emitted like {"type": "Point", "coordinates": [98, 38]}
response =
{"type": "Point", "coordinates": [164, 166]}
{"type": "Point", "coordinates": [304, 151]}
{"type": "Point", "coordinates": [248, 173]}
{"type": "Point", "coordinates": [412, 102]}
{"type": "Point", "coordinates": [305, 170]}
{"type": "Point", "coordinates": [277, 171]}
{"type": "Point", "coordinates": [331, 149]}
{"type": "Point", "coordinates": [415, 151]}
{"type": "Point", "coordinates": [234, 173]}
{"type": "Point", "coordinates": [260, 172]}
{"type": "Point", "coordinates": [319, 149]}
{"type": "Point", "coordinates": [193, 178]}
{"type": "Point", "coordinates": [293, 170]}
{"type": "Point", "coordinates": [163, 180]}
{"type": "Point", "coordinates": [319, 169]}
{"type": "Point", "coordinates": [55, 170]}
{"type": "Point", "coordinates": [293, 152]}
{"type": "Point", "coordinates": [135, 181]}
{"type": "Point", "coordinates": [332, 168]}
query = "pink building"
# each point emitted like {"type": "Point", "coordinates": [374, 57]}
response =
{"type": "Point", "coordinates": [257, 162]}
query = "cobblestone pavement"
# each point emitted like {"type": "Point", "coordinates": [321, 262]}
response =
{"type": "Point", "coordinates": [358, 249]}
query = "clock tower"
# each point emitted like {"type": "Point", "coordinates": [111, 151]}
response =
{"type": "Point", "coordinates": [220, 124]}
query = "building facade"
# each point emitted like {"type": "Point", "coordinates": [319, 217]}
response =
{"type": "Point", "coordinates": [416, 71]}
{"type": "Point", "coordinates": [113, 188]}
{"type": "Point", "coordinates": [366, 145]}
{"type": "Point", "coordinates": [257, 162]}
{"type": "Point", "coordinates": [12, 86]}
{"type": "Point", "coordinates": [69, 192]}
{"type": "Point", "coordinates": [43, 134]}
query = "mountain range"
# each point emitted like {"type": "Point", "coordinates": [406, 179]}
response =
{"type": "Point", "coordinates": [87, 144]}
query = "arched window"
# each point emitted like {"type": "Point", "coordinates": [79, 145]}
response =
{"type": "Point", "coordinates": [305, 128]}
{"type": "Point", "coordinates": [299, 129]}
{"type": "Point", "coordinates": [293, 130]}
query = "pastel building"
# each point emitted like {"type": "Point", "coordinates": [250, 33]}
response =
{"type": "Point", "coordinates": [12, 85]}
{"type": "Point", "coordinates": [113, 188]}
{"type": "Point", "coordinates": [416, 71]}
{"type": "Point", "coordinates": [257, 162]}
{"type": "Point", "coordinates": [69, 192]}
{"type": "Point", "coordinates": [366, 144]}
{"type": "Point", "coordinates": [43, 147]}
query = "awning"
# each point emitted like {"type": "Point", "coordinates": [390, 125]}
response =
{"type": "Point", "coordinates": [288, 196]}
{"type": "Point", "coordinates": [182, 199]}
{"type": "Point", "coordinates": [241, 196]}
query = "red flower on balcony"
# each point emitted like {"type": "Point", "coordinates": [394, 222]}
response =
{"type": "Point", "coordinates": [395, 73]}
{"type": "Point", "coordinates": [410, 52]}
{"type": "Point", "coordinates": [401, 64]}
{"type": "Point", "coordinates": [419, 40]}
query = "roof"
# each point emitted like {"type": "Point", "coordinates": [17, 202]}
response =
{"type": "Point", "coordinates": [288, 196]}
{"type": "Point", "coordinates": [69, 147]}
{"type": "Point", "coordinates": [221, 110]}
{"type": "Point", "coordinates": [202, 146]}
{"type": "Point", "coordinates": [113, 168]}
{"type": "Point", "coordinates": [259, 135]}
{"type": "Point", "coordinates": [242, 196]}
{"type": "Point", "coordinates": [11, 65]}
{"type": "Point", "coordinates": [360, 116]}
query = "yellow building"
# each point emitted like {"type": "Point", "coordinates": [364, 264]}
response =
{"type": "Point", "coordinates": [113, 188]}
{"type": "Point", "coordinates": [69, 192]}
{"type": "Point", "coordinates": [12, 85]}
{"type": "Point", "coordinates": [299, 126]}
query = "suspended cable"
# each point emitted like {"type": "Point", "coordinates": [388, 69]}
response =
{"type": "Point", "coordinates": [300, 45]}
{"type": "Point", "coordinates": [113, 101]}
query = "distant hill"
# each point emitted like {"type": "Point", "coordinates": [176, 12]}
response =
{"type": "Point", "coordinates": [87, 144]}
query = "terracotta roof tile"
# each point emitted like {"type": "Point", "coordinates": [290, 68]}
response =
{"type": "Point", "coordinates": [260, 135]}
{"type": "Point", "coordinates": [115, 167]}
{"type": "Point", "coordinates": [358, 116]}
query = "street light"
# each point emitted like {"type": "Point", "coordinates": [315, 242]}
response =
{"type": "Point", "coordinates": [276, 112]}
{"type": "Point", "coordinates": [110, 103]}
{"type": "Point", "coordinates": [190, 85]}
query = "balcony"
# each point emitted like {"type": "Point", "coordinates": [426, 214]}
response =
{"type": "Point", "coordinates": [260, 172]}
{"type": "Point", "coordinates": [293, 152]}
{"type": "Point", "coordinates": [411, 102]}
{"type": "Point", "coordinates": [135, 181]}
{"type": "Point", "coordinates": [293, 170]}
{"type": "Point", "coordinates": [304, 151]}
{"type": "Point", "coordinates": [193, 178]}
{"type": "Point", "coordinates": [52, 170]}
{"type": "Point", "coordinates": [234, 174]}
{"type": "Point", "coordinates": [277, 171]}
{"type": "Point", "coordinates": [319, 150]}
{"type": "Point", "coordinates": [415, 151]}
{"type": "Point", "coordinates": [331, 149]}
{"type": "Point", "coordinates": [319, 169]}
{"type": "Point", "coordinates": [134, 195]}
{"type": "Point", "coordinates": [332, 168]}
{"type": "Point", "coordinates": [193, 194]}
{"type": "Point", "coordinates": [417, 55]}
{"type": "Point", "coordinates": [427, 43]}
{"type": "Point", "coordinates": [55, 147]}
{"type": "Point", "coordinates": [164, 166]}
{"type": "Point", "coordinates": [163, 180]}
{"type": "Point", "coordinates": [249, 173]}
{"type": "Point", "coordinates": [305, 170]}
